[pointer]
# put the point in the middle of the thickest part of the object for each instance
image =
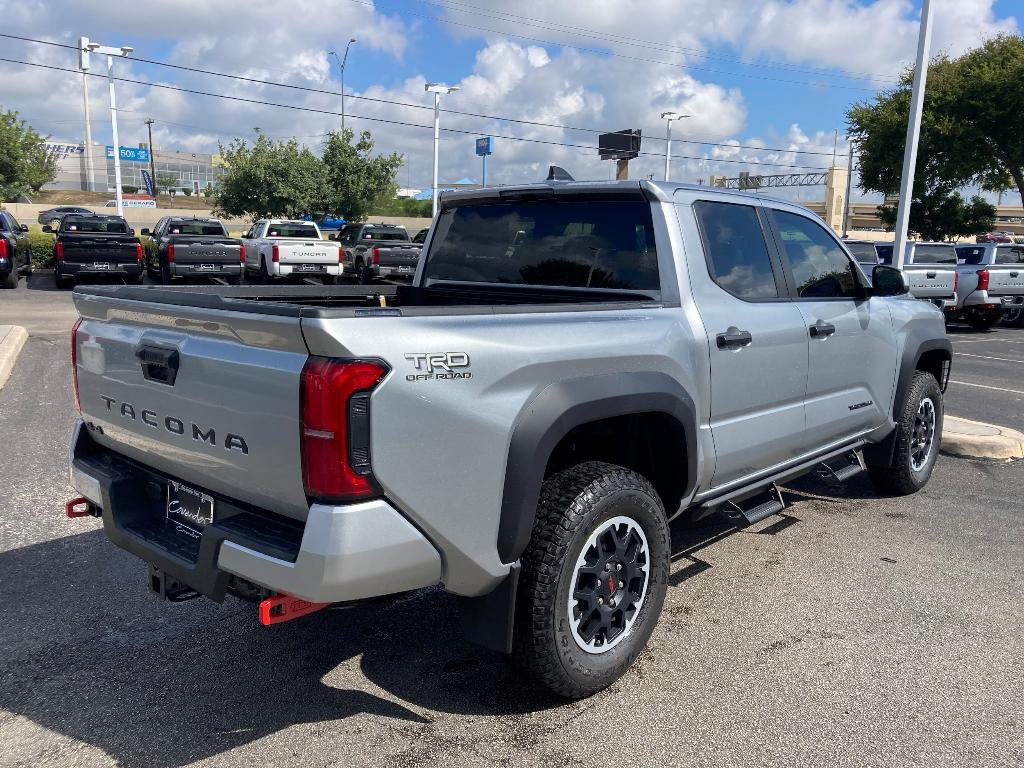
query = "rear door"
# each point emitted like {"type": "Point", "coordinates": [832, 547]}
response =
{"type": "Point", "coordinates": [757, 340]}
{"type": "Point", "coordinates": [852, 348]}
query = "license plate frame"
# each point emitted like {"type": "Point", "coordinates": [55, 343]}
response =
{"type": "Point", "coordinates": [206, 267]}
{"type": "Point", "coordinates": [310, 268]}
{"type": "Point", "coordinates": [188, 509]}
{"type": "Point", "coordinates": [101, 265]}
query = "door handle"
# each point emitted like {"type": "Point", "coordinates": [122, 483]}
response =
{"type": "Point", "coordinates": [733, 338]}
{"type": "Point", "coordinates": [821, 330]}
{"type": "Point", "coordinates": [159, 364]}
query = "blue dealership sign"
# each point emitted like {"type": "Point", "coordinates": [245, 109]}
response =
{"type": "Point", "coordinates": [136, 154]}
{"type": "Point", "coordinates": [485, 146]}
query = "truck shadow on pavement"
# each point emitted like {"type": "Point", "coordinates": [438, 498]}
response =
{"type": "Point", "coordinates": [90, 655]}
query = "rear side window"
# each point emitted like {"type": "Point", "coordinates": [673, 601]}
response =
{"type": "Point", "coordinates": [563, 242]}
{"type": "Point", "coordinates": [736, 251]}
{"type": "Point", "coordinates": [971, 254]}
{"type": "Point", "coordinates": [292, 230]}
{"type": "Point", "coordinates": [934, 254]}
{"type": "Point", "coordinates": [864, 253]}
{"type": "Point", "coordinates": [195, 228]}
{"type": "Point", "coordinates": [95, 224]}
{"type": "Point", "coordinates": [820, 267]}
{"type": "Point", "coordinates": [1010, 254]}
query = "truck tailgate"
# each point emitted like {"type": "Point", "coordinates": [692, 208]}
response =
{"type": "Point", "coordinates": [225, 421]}
{"type": "Point", "coordinates": [206, 251]}
{"type": "Point", "coordinates": [397, 255]}
{"type": "Point", "coordinates": [310, 252]}
{"type": "Point", "coordinates": [931, 282]}
{"type": "Point", "coordinates": [82, 249]}
{"type": "Point", "coordinates": [1005, 281]}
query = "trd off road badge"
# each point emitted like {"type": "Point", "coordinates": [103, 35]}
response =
{"type": "Point", "coordinates": [439, 366]}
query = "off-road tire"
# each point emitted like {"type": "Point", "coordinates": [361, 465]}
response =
{"type": "Point", "coordinates": [899, 477]}
{"type": "Point", "coordinates": [1013, 318]}
{"type": "Point", "coordinates": [573, 505]}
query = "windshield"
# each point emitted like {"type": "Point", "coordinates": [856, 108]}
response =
{"type": "Point", "coordinates": [196, 228]}
{"type": "Point", "coordinates": [565, 242]}
{"type": "Point", "coordinates": [1010, 254]}
{"type": "Point", "coordinates": [95, 224]}
{"type": "Point", "coordinates": [864, 253]}
{"type": "Point", "coordinates": [305, 231]}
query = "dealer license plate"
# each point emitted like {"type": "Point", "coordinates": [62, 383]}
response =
{"type": "Point", "coordinates": [310, 267]}
{"type": "Point", "coordinates": [101, 265]}
{"type": "Point", "coordinates": [189, 510]}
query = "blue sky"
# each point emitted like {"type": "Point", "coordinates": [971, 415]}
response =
{"type": "Point", "coordinates": [775, 76]}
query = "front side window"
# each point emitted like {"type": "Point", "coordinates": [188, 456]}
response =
{"type": "Point", "coordinates": [864, 253]}
{"type": "Point", "coordinates": [558, 242]}
{"type": "Point", "coordinates": [820, 267]}
{"type": "Point", "coordinates": [736, 251]}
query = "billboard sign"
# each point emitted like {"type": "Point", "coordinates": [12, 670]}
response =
{"type": "Point", "coordinates": [134, 154]}
{"type": "Point", "coordinates": [485, 146]}
{"type": "Point", "coordinates": [621, 145]}
{"type": "Point", "coordinates": [64, 150]}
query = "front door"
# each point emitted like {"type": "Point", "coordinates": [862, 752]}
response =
{"type": "Point", "coordinates": [852, 354]}
{"type": "Point", "coordinates": [758, 344]}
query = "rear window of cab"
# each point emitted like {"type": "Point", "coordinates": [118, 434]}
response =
{"type": "Point", "coordinates": [95, 224]}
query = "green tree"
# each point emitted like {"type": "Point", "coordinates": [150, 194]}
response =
{"type": "Point", "coordinates": [944, 215]}
{"type": "Point", "coordinates": [269, 179]}
{"type": "Point", "coordinates": [970, 129]}
{"type": "Point", "coordinates": [18, 145]}
{"type": "Point", "coordinates": [355, 178]}
{"type": "Point", "coordinates": [164, 181]}
{"type": "Point", "coordinates": [41, 165]}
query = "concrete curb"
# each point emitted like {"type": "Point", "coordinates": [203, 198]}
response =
{"type": "Point", "coordinates": [12, 339]}
{"type": "Point", "coordinates": [978, 440]}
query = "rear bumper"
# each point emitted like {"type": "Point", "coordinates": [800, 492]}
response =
{"type": "Point", "coordinates": [404, 272]}
{"type": "Point", "coordinates": [231, 269]}
{"type": "Point", "coordinates": [70, 268]}
{"type": "Point", "coordinates": [311, 270]}
{"type": "Point", "coordinates": [340, 553]}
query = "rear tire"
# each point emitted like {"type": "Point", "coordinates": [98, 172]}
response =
{"type": "Point", "coordinates": [11, 281]}
{"type": "Point", "coordinates": [918, 437]}
{"type": "Point", "coordinates": [1014, 318]}
{"type": "Point", "coordinates": [64, 283]}
{"type": "Point", "coordinates": [575, 632]}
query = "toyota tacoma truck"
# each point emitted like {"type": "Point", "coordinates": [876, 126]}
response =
{"type": "Point", "coordinates": [574, 366]}
{"type": "Point", "coordinates": [96, 246]}
{"type": "Point", "coordinates": [193, 247]}
{"type": "Point", "coordinates": [373, 251]}
{"type": "Point", "coordinates": [276, 248]}
{"type": "Point", "coordinates": [991, 285]}
{"type": "Point", "coordinates": [930, 269]}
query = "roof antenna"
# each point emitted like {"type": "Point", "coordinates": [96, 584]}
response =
{"type": "Point", "coordinates": [556, 173]}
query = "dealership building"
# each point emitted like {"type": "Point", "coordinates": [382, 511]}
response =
{"type": "Point", "coordinates": [191, 170]}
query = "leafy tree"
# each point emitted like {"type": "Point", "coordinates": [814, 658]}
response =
{"type": "Point", "coordinates": [41, 165]}
{"type": "Point", "coordinates": [943, 215]}
{"type": "Point", "coordinates": [165, 181]}
{"type": "Point", "coordinates": [970, 129]}
{"type": "Point", "coordinates": [355, 179]}
{"type": "Point", "coordinates": [269, 179]}
{"type": "Point", "coordinates": [18, 144]}
{"type": "Point", "coordinates": [393, 206]}
{"type": "Point", "coordinates": [187, 191]}
{"type": "Point", "coordinates": [208, 190]}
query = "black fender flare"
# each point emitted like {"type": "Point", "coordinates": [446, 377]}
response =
{"type": "Point", "coordinates": [567, 404]}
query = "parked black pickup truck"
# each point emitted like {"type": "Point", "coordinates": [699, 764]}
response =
{"type": "Point", "coordinates": [95, 245]}
{"type": "Point", "coordinates": [379, 251]}
{"type": "Point", "coordinates": [15, 253]}
{"type": "Point", "coordinates": [193, 247]}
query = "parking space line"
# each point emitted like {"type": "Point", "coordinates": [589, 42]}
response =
{"type": "Point", "coordinates": [986, 386]}
{"type": "Point", "coordinates": [987, 341]}
{"type": "Point", "coordinates": [990, 357]}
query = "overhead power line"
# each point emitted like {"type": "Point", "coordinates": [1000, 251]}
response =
{"type": "Point", "coordinates": [409, 105]}
{"type": "Point", "coordinates": [381, 119]}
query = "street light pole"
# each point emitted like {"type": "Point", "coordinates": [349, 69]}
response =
{"type": "Point", "coordinates": [669, 117]}
{"type": "Point", "coordinates": [152, 154]}
{"type": "Point", "coordinates": [437, 89]}
{"type": "Point", "coordinates": [341, 66]}
{"type": "Point", "coordinates": [110, 52]}
{"type": "Point", "coordinates": [913, 132]}
{"type": "Point", "coordinates": [83, 60]}
{"type": "Point", "coordinates": [849, 186]}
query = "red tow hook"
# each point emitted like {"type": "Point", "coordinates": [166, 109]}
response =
{"type": "Point", "coordinates": [281, 608]}
{"type": "Point", "coordinates": [79, 507]}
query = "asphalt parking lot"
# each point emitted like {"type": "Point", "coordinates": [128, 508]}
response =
{"type": "Point", "coordinates": [853, 630]}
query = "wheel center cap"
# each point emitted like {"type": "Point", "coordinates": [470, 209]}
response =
{"type": "Point", "coordinates": [612, 586]}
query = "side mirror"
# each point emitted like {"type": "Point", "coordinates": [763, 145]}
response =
{"type": "Point", "coordinates": [23, 227]}
{"type": "Point", "coordinates": [145, 231]}
{"type": "Point", "coordinates": [47, 228]}
{"type": "Point", "coordinates": [888, 281]}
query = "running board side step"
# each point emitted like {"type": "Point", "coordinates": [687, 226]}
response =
{"type": "Point", "coordinates": [734, 513]}
{"type": "Point", "coordinates": [836, 475]}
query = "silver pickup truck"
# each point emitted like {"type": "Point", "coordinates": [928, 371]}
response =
{"type": "Point", "coordinates": [930, 269]}
{"type": "Point", "coordinates": [991, 284]}
{"type": "Point", "coordinates": [573, 366]}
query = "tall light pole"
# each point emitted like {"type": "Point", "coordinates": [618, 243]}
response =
{"type": "Point", "coordinates": [849, 186]}
{"type": "Point", "coordinates": [669, 117]}
{"type": "Point", "coordinates": [341, 66]}
{"type": "Point", "coordinates": [110, 52]}
{"type": "Point", "coordinates": [83, 64]}
{"type": "Point", "coordinates": [152, 154]}
{"type": "Point", "coordinates": [913, 131]}
{"type": "Point", "coordinates": [437, 89]}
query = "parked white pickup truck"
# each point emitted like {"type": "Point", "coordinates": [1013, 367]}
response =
{"type": "Point", "coordinates": [284, 248]}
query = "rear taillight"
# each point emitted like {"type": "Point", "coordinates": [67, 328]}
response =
{"type": "Point", "coordinates": [956, 281]}
{"type": "Point", "coordinates": [335, 423]}
{"type": "Point", "coordinates": [138, 252]}
{"type": "Point", "coordinates": [982, 279]}
{"type": "Point", "coordinates": [170, 252]}
{"type": "Point", "coordinates": [58, 251]}
{"type": "Point", "coordinates": [376, 255]}
{"type": "Point", "coordinates": [74, 363]}
{"type": "Point", "coordinates": [3, 248]}
{"type": "Point", "coordinates": [241, 254]}
{"type": "Point", "coordinates": [341, 254]}
{"type": "Point", "coordinates": [275, 254]}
